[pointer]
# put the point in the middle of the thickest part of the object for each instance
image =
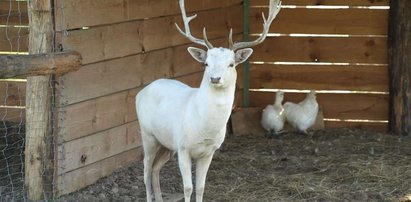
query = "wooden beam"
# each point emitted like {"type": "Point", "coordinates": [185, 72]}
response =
{"type": "Point", "coordinates": [399, 51]}
{"type": "Point", "coordinates": [39, 64]}
{"type": "Point", "coordinates": [40, 149]}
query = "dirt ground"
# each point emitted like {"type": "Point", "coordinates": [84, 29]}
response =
{"type": "Point", "coordinates": [330, 165]}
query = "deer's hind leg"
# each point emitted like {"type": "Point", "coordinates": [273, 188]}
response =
{"type": "Point", "coordinates": [151, 146]}
{"type": "Point", "coordinates": [162, 157]}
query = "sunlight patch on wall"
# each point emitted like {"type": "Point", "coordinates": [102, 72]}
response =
{"type": "Point", "coordinates": [316, 63]}
{"type": "Point", "coordinates": [321, 91]}
{"type": "Point", "coordinates": [356, 120]}
{"type": "Point", "coordinates": [13, 53]}
{"type": "Point", "coordinates": [329, 7]}
{"type": "Point", "coordinates": [12, 107]}
{"type": "Point", "coordinates": [317, 35]}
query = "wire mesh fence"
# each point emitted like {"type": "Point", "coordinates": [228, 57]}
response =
{"type": "Point", "coordinates": [12, 140]}
{"type": "Point", "coordinates": [13, 40]}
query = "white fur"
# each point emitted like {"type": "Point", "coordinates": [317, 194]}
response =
{"type": "Point", "coordinates": [174, 117]}
{"type": "Point", "coordinates": [273, 116]}
{"type": "Point", "coordinates": [302, 116]}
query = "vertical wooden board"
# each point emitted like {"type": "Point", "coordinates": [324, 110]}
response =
{"type": "Point", "coordinates": [335, 106]}
{"type": "Point", "coordinates": [93, 148]}
{"type": "Point", "coordinates": [326, 2]}
{"type": "Point", "coordinates": [81, 119]}
{"type": "Point", "coordinates": [77, 179]}
{"type": "Point", "coordinates": [39, 146]}
{"type": "Point", "coordinates": [238, 99]}
{"type": "Point", "coordinates": [399, 44]}
{"type": "Point", "coordinates": [324, 21]}
{"type": "Point", "coordinates": [14, 39]}
{"type": "Point", "coordinates": [322, 49]}
{"type": "Point", "coordinates": [13, 13]}
{"type": "Point", "coordinates": [72, 14]}
{"type": "Point", "coordinates": [105, 42]}
{"type": "Point", "coordinates": [320, 77]}
{"type": "Point", "coordinates": [39, 150]}
{"type": "Point", "coordinates": [107, 77]}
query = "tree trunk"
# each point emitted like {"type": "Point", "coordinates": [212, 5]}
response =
{"type": "Point", "coordinates": [399, 50]}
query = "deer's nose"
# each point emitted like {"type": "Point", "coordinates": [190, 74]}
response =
{"type": "Point", "coordinates": [215, 80]}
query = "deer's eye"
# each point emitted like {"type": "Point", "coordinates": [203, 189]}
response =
{"type": "Point", "coordinates": [231, 65]}
{"type": "Point", "coordinates": [205, 64]}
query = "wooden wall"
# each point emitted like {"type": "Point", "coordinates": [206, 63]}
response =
{"type": "Point", "coordinates": [340, 51]}
{"type": "Point", "coordinates": [13, 40]}
{"type": "Point", "coordinates": [124, 45]}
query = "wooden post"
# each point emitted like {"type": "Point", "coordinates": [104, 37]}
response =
{"type": "Point", "coordinates": [39, 154]}
{"type": "Point", "coordinates": [399, 43]}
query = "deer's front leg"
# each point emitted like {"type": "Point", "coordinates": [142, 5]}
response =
{"type": "Point", "coordinates": [202, 166]}
{"type": "Point", "coordinates": [184, 162]}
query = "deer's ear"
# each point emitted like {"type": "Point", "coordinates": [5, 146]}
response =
{"type": "Point", "coordinates": [242, 55]}
{"type": "Point", "coordinates": [198, 54]}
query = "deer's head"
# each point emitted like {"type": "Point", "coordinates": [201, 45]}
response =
{"type": "Point", "coordinates": [220, 62]}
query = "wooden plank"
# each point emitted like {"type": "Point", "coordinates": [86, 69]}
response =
{"type": "Point", "coordinates": [193, 80]}
{"type": "Point", "coordinates": [93, 148]}
{"type": "Point", "coordinates": [111, 76]}
{"type": "Point", "coordinates": [15, 115]}
{"type": "Point", "coordinates": [12, 93]}
{"type": "Point", "coordinates": [327, 2]}
{"type": "Point", "coordinates": [119, 40]}
{"type": "Point", "coordinates": [322, 49]}
{"type": "Point", "coordinates": [369, 126]}
{"type": "Point", "coordinates": [13, 13]}
{"type": "Point", "coordinates": [72, 14]}
{"type": "Point", "coordinates": [356, 78]}
{"type": "Point", "coordinates": [400, 67]}
{"type": "Point", "coordinates": [71, 182]}
{"type": "Point", "coordinates": [40, 150]}
{"type": "Point", "coordinates": [336, 106]}
{"type": "Point", "coordinates": [82, 119]}
{"type": "Point", "coordinates": [246, 121]}
{"type": "Point", "coordinates": [101, 79]}
{"type": "Point", "coordinates": [14, 39]}
{"type": "Point", "coordinates": [324, 21]}
{"type": "Point", "coordinates": [184, 63]}
{"type": "Point", "coordinates": [106, 42]}
{"type": "Point", "coordinates": [39, 64]}
{"type": "Point", "coordinates": [159, 33]}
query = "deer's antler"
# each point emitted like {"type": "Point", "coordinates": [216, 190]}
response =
{"type": "Point", "coordinates": [187, 33]}
{"type": "Point", "coordinates": [274, 8]}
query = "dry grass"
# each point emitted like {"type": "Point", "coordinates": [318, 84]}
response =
{"type": "Point", "coordinates": [332, 165]}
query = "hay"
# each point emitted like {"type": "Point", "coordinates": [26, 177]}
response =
{"type": "Point", "coordinates": [332, 165]}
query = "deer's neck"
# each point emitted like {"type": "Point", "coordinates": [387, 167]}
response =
{"type": "Point", "coordinates": [214, 106]}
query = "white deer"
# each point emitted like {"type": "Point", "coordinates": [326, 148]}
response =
{"type": "Point", "coordinates": [174, 117]}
